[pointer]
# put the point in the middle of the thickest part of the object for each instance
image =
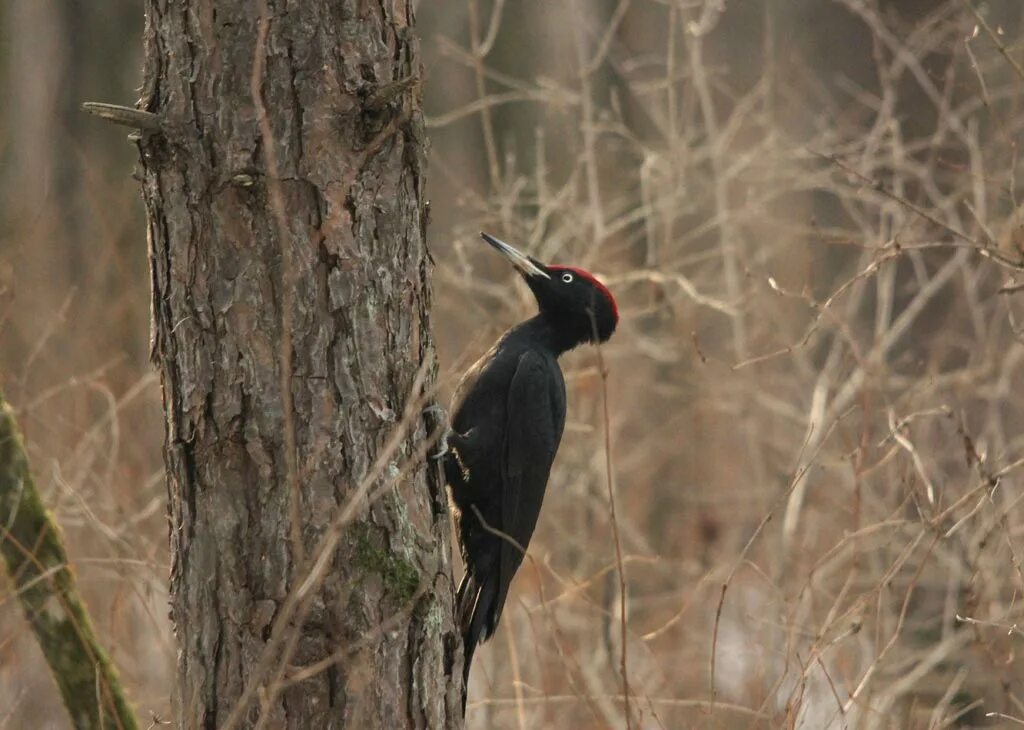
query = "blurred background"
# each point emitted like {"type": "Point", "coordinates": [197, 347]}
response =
{"type": "Point", "coordinates": [809, 213]}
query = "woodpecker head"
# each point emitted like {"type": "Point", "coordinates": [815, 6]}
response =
{"type": "Point", "coordinates": [571, 297]}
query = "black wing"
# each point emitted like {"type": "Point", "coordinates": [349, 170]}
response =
{"type": "Point", "coordinates": [536, 416]}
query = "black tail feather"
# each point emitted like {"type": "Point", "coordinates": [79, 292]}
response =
{"type": "Point", "coordinates": [474, 606]}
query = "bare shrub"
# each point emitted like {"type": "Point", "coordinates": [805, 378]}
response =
{"type": "Point", "coordinates": [814, 422]}
{"type": "Point", "coordinates": [809, 214]}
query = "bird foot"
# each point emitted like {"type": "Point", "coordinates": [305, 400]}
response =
{"type": "Point", "coordinates": [442, 419]}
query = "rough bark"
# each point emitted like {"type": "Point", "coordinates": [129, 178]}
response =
{"type": "Point", "coordinates": [296, 256]}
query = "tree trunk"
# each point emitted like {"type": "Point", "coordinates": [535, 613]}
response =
{"type": "Point", "coordinates": [286, 227]}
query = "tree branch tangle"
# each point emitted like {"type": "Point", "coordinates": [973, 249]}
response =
{"type": "Point", "coordinates": [284, 194]}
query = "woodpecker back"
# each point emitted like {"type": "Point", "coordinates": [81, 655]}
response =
{"type": "Point", "coordinates": [509, 414]}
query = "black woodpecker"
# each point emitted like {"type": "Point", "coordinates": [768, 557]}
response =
{"type": "Point", "coordinates": [509, 411]}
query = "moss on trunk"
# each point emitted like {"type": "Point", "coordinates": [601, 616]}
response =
{"type": "Point", "coordinates": [37, 562]}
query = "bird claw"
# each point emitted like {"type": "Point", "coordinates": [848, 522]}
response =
{"type": "Point", "coordinates": [442, 417]}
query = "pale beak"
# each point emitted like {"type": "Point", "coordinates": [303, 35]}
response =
{"type": "Point", "coordinates": [519, 259]}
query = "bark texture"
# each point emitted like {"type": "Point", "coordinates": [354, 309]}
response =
{"type": "Point", "coordinates": [316, 240]}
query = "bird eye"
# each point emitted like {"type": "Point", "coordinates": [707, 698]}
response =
{"type": "Point", "coordinates": [567, 277]}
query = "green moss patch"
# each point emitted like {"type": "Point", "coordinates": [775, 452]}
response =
{"type": "Point", "coordinates": [400, 577]}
